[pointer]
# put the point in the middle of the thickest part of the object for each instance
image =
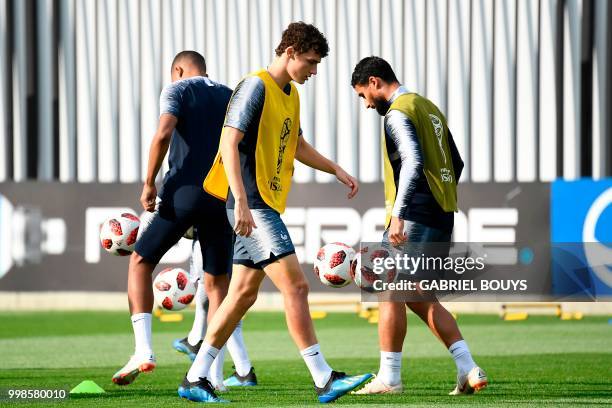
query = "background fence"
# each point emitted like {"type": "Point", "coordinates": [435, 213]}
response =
{"type": "Point", "coordinates": [526, 84]}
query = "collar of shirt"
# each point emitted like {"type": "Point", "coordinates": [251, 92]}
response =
{"type": "Point", "coordinates": [399, 91]}
{"type": "Point", "coordinates": [208, 81]}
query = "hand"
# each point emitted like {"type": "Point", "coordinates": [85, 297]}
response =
{"type": "Point", "coordinates": [396, 231]}
{"type": "Point", "coordinates": [349, 181]}
{"type": "Point", "coordinates": [148, 196]}
{"type": "Point", "coordinates": [244, 219]}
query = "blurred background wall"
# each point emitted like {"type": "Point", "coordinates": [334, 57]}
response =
{"type": "Point", "coordinates": [526, 84]}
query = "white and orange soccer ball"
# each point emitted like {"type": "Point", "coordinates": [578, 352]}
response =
{"type": "Point", "coordinates": [333, 264]}
{"type": "Point", "coordinates": [172, 289]}
{"type": "Point", "coordinates": [118, 234]}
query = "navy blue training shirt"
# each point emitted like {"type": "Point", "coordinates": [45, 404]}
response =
{"type": "Point", "coordinates": [199, 104]}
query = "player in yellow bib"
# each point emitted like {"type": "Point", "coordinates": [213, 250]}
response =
{"type": "Point", "coordinates": [253, 170]}
{"type": "Point", "coordinates": [421, 169]}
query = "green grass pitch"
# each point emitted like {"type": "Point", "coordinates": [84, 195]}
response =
{"type": "Point", "coordinates": [540, 361]}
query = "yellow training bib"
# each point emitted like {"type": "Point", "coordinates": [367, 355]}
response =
{"type": "Point", "coordinates": [432, 132]}
{"type": "Point", "coordinates": [277, 139]}
{"type": "Point", "coordinates": [216, 183]}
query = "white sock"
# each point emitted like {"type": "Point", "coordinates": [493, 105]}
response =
{"type": "Point", "coordinates": [390, 371]}
{"type": "Point", "coordinates": [203, 361]}
{"type": "Point", "coordinates": [238, 351]}
{"type": "Point", "coordinates": [319, 369]}
{"type": "Point", "coordinates": [462, 356]}
{"type": "Point", "coordinates": [216, 369]}
{"type": "Point", "coordinates": [199, 321]}
{"type": "Point", "coordinates": [141, 323]}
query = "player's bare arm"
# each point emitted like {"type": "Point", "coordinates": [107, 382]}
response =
{"type": "Point", "coordinates": [231, 162]}
{"type": "Point", "coordinates": [308, 155]}
{"type": "Point", "coordinates": [157, 152]}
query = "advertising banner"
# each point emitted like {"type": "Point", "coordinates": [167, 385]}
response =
{"type": "Point", "coordinates": [49, 232]}
{"type": "Point", "coordinates": [581, 233]}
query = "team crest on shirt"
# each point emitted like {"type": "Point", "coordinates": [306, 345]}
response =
{"type": "Point", "coordinates": [275, 183]}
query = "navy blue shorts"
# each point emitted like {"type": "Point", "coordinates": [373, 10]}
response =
{"type": "Point", "coordinates": [420, 233]}
{"type": "Point", "coordinates": [422, 240]}
{"type": "Point", "coordinates": [169, 223]}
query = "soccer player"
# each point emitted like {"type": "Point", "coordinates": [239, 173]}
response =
{"type": "Point", "coordinates": [192, 109]}
{"type": "Point", "coordinates": [422, 167]}
{"type": "Point", "coordinates": [261, 138]}
{"type": "Point", "coordinates": [244, 374]}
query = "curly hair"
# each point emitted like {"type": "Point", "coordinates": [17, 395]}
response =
{"type": "Point", "coordinates": [303, 38]}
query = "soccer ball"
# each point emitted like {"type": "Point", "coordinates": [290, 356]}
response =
{"type": "Point", "coordinates": [333, 263]}
{"type": "Point", "coordinates": [362, 268]}
{"type": "Point", "coordinates": [172, 289]}
{"type": "Point", "coordinates": [118, 234]}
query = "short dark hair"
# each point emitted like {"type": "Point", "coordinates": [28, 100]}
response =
{"type": "Point", "coordinates": [372, 66]}
{"type": "Point", "coordinates": [303, 37]}
{"type": "Point", "coordinates": [191, 57]}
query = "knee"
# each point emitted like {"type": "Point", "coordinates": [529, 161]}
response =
{"type": "Point", "coordinates": [245, 298]}
{"type": "Point", "coordinates": [215, 284]}
{"type": "Point", "coordinates": [298, 289]}
{"type": "Point", "coordinates": [418, 307]}
{"type": "Point", "coordinates": [392, 309]}
{"type": "Point", "coordinates": [425, 310]}
{"type": "Point", "coordinates": [245, 302]}
{"type": "Point", "coordinates": [137, 259]}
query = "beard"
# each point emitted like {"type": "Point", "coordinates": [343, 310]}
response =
{"type": "Point", "coordinates": [381, 105]}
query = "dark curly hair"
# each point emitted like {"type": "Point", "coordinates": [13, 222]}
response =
{"type": "Point", "coordinates": [303, 37]}
{"type": "Point", "coordinates": [372, 66]}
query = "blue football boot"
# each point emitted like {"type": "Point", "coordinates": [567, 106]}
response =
{"type": "Point", "coordinates": [340, 384]}
{"type": "Point", "coordinates": [236, 380]}
{"type": "Point", "coordinates": [199, 391]}
{"type": "Point", "coordinates": [183, 346]}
